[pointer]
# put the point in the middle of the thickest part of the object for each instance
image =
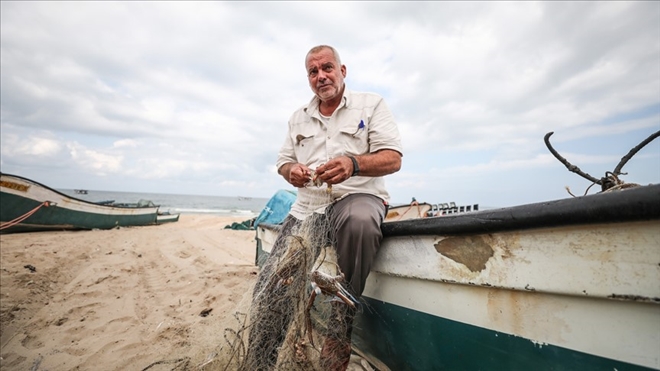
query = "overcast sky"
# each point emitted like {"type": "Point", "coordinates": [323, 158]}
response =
{"type": "Point", "coordinates": [194, 97]}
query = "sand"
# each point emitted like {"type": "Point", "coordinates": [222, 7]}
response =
{"type": "Point", "coordinates": [154, 297]}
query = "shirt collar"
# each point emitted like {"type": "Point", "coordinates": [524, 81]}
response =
{"type": "Point", "coordinates": [312, 108]}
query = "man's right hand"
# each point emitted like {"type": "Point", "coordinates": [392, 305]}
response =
{"type": "Point", "coordinates": [296, 174]}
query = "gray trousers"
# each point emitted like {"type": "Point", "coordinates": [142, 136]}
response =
{"type": "Point", "coordinates": [355, 222]}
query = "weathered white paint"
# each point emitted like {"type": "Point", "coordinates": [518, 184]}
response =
{"type": "Point", "coordinates": [589, 260]}
{"type": "Point", "coordinates": [623, 330]}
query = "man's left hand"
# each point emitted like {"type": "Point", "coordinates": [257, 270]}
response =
{"type": "Point", "coordinates": [336, 170]}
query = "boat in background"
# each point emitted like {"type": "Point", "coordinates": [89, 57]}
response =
{"type": "Point", "coordinates": [417, 210]}
{"type": "Point", "coordinates": [568, 284]}
{"type": "Point", "coordinates": [28, 206]}
{"type": "Point", "coordinates": [166, 217]}
{"type": "Point", "coordinates": [163, 216]}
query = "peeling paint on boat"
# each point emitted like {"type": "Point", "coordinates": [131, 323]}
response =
{"type": "Point", "coordinates": [473, 252]}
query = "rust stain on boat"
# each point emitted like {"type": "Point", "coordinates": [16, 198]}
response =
{"type": "Point", "coordinates": [471, 251]}
{"type": "Point", "coordinates": [14, 186]}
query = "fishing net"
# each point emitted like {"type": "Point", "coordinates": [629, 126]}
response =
{"type": "Point", "coordinates": [297, 305]}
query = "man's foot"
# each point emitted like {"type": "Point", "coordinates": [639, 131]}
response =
{"type": "Point", "coordinates": [335, 354]}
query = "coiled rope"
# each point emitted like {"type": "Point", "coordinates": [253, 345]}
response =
{"type": "Point", "coordinates": [16, 221]}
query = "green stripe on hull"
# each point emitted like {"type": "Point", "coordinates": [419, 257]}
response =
{"type": "Point", "coordinates": [405, 339]}
{"type": "Point", "coordinates": [58, 218]}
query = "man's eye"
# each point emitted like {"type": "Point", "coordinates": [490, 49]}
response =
{"type": "Point", "coordinates": [327, 68]}
{"type": "Point", "coordinates": [313, 73]}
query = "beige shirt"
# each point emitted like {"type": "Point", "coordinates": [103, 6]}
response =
{"type": "Point", "coordinates": [361, 124]}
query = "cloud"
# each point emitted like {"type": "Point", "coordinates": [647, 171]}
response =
{"type": "Point", "coordinates": [199, 93]}
{"type": "Point", "coordinates": [98, 163]}
{"type": "Point", "coordinates": [33, 146]}
{"type": "Point", "coordinates": [125, 143]}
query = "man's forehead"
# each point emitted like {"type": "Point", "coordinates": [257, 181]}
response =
{"type": "Point", "coordinates": [321, 57]}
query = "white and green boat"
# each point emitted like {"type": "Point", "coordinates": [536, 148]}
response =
{"type": "Point", "coordinates": [571, 284]}
{"type": "Point", "coordinates": [28, 206]}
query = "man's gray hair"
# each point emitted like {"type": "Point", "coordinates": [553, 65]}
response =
{"type": "Point", "coordinates": [318, 48]}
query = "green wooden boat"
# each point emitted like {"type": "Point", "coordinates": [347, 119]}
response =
{"type": "Point", "coordinates": [28, 206]}
{"type": "Point", "coordinates": [571, 284]}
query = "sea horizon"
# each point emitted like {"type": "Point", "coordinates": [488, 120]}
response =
{"type": "Point", "coordinates": [178, 203]}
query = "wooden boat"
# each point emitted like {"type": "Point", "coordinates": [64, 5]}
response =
{"type": "Point", "coordinates": [416, 210]}
{"type": "Point", "coordinates": [30, 206]}
{"type": "Point", "coordinates": [571, 284]}
{"type": "Point", "coordinates": [166, 217]}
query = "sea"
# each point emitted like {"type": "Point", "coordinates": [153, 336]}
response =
{"type": "Point", "coordinates": [247, 207]}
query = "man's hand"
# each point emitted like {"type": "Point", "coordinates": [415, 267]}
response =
{"type": "Point", "coordinates": [336, 170]}
{"type": "Point", "coordinates": [296, 174]}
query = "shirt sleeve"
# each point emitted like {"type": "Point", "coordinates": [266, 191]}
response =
{"type": "Point", "coordinates": [286, 154]}
{"type": "Point", "coordinates": [383, 130]}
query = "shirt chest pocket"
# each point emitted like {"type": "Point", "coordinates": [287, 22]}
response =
{"type": "Point", "coordinates": [305, 144]}
{"type": "Point", "coordinates": [354, 138]}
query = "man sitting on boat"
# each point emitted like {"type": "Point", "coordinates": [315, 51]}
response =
{"type": "Point", "coordinates": [348, 141]}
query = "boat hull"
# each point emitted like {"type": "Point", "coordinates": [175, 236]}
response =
{"type": "Point", "coordinates": [498, 290]}
{"type": "Point", "coordinates": [167, 218]}
{"type": "Point", "coordinates": [408, 339]}
{"type": "Point", "coordinates": [52, 210]}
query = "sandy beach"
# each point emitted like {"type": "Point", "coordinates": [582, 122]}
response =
{"type": "Point", "coordinates": [156, 297]}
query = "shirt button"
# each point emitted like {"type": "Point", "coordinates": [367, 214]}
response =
{"type": "Point", "coordinates": [328, 137]}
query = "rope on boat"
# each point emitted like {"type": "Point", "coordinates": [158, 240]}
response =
{"type": "Point", "coordinates": [12, 223]}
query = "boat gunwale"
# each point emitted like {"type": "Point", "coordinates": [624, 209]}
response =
{"type": "Point", "coordinates": [634, 204]}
